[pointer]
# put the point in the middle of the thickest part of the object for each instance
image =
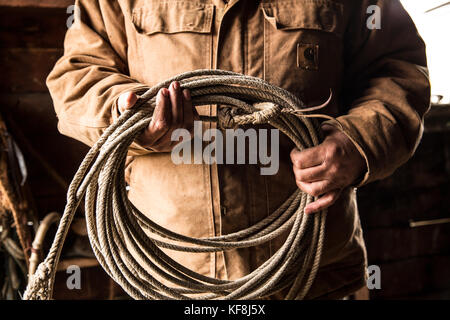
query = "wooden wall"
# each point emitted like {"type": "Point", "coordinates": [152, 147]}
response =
{"type": "Point", "coordinates": [414, 261]}
{"type": "Point", "coordinates": [31, 40]}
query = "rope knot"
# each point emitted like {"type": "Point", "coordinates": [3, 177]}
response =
{"type": "Point", "coordinates": [268, 111]}
{"type": "Point", "coordinates": [230, 118]}
{"type": "Point", "coordinates": [226, 119]}
{"type": "Point", "coordinates": [39, 284]}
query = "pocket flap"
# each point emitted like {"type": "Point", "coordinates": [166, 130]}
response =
{"type": "Point", "coordinates": [173, 17]}
{"type": "Point", "coordinates": [305, 14]}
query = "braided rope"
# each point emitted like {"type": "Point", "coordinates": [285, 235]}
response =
{"type": "Point", "coordinates": [115, 225]}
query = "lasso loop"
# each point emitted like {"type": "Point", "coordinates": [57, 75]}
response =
{"type": "Point", "coordinates": [128, 245]}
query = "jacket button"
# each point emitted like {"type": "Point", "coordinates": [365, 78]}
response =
{"type": "Point", "coordinates": [309, 54]}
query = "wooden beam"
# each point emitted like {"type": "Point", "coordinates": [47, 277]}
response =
{"type": "Point", "coordinates": [37, 3]}
{"type": "Point", "coordinates": [80, 262]}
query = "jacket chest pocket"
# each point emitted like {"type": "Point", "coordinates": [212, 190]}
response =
{"type": "Point", "coordinates": [172, 37]}
{"type": "Point", "coordinates": [303, 46]}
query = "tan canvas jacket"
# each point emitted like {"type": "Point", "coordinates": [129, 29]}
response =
{"type": "Point", "coordinates": [378, 77]}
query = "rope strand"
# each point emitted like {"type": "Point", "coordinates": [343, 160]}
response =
{"type": "Point", "coordinates": [115, 225]}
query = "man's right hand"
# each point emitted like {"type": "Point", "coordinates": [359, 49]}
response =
{"type": "Point", "coordinates": [173, 111]}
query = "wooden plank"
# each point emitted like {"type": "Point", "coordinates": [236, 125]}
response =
{"type": "Point", "coordinates": [35, 117]}
{"type": "Point", "coordinates": [426, 169]}
{"type": "Point", "coordinates": [438, 119]}
{"type": "Point", "coordinates": [403, 243]}
{"type": "Point", "coordinates": [412, 277]}
{"type": "Point", "coordinates": [34, 112]}
{"type": "Point", "coordinates": [432, 294]}
{"type": "Point", "coordinates": [95, 284]}
{"type": "Point", "coordinates": [25, 69]}
{"type": "Point", "coordinates": [37, 3]}
{"type": "Point", "coordinates": [63, 265]}
{"type": "Point", "coordinates": [418, 190]}
{"type": "Point", "coordinates": [382, 209]}
{"type": "Point", "coordinates": [32, 27]}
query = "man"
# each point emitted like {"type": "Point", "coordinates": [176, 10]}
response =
{"type": "Point", "coordinates": [378, 76]}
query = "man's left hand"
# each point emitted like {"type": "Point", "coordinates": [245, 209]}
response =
{"type": "Point", "coordinates": [323, 171]}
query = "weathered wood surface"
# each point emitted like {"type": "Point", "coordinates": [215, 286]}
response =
{"type": "Point", "coordinates": [37, 3]}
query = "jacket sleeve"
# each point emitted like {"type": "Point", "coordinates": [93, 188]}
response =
{"type": "Point", "coordinates": [386, 87]}
{"type": "Point", "coordinates": [87, 81]}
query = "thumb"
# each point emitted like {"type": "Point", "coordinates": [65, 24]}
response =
{"type": "Point", "coordinates": [126, 101]}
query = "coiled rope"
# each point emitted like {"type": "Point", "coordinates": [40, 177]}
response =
{"type": "Point", "coordinates": [115, 225]}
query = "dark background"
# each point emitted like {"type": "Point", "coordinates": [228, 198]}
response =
{"type": "Point", "coordinates": [414, 262]}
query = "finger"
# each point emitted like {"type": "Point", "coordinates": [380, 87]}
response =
{"type": "Point", "coordinates": [316, 189]}
{"type": "Point", "coordinates": [188, 111]}
{"type": "Point", "coordinates": [177, 104]}
{"type": "Point", "coordinates": [323, 202]}
{"type": "Point", "coordinates": [308, 158]}
{"type": "Point", "coordinates": [312, 174]}
{"type": "Point", "coordinates": [126, 101]}
{"type": "Point", "coordinates": [161, 120]}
